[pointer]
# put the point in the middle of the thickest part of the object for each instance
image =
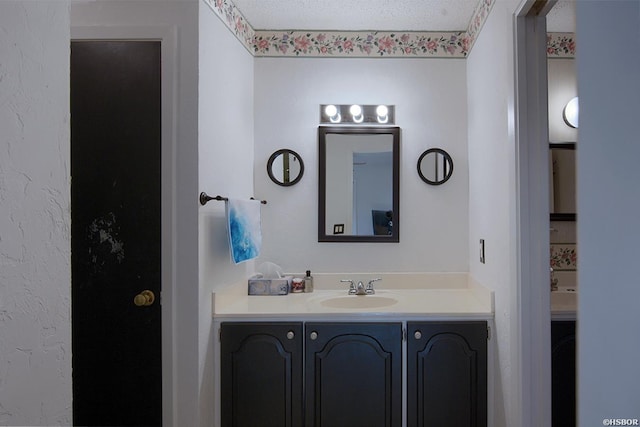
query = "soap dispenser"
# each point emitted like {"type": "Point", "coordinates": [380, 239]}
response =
{"type": "Point", "coordinates": [308, 282]}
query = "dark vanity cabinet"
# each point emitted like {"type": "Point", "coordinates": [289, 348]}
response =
{"type": "Point", "coordinates": [353, 374]}
{"type": "Point", "coordinates": [350, 374]}
{"type": "Point", "coordinates": [447, 374]}
{"type": "Point", "coordinates": [261, 374]}
{"type": "Point", "coordinates": [563, 373]}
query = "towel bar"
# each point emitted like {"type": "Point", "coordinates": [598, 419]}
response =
{"type": "Point", "coordinates": [204, 198]}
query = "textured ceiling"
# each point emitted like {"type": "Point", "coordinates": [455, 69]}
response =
{"type": "Point", "coordinates": [380, 15]}
{"type": "Point", "coordinates": [562, 17]}
{"type": "Point", "coordinates": [341, 15]}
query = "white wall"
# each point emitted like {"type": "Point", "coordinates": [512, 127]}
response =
{"type": "Point", "coordinates": [35, 271]}
{"type": "Point", "coordinates": [491, 212]}
{"type": "Point", "coordinates": [608, 66]}
{"type": "Point", "coordinates": [180, 17]}
{"type": "Point", "coordinates": [562, 87]}
{"type": "Point", "coordinates": [225, 165]}
{"type": "Point", "coordinates": [430, 100]}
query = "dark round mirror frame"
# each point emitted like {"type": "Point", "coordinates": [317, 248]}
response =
{"type": "Point", "coordinates": [273, 158]}
{"type": "Point", "coordinates": [447, 158]}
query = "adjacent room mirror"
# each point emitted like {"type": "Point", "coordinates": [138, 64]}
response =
{"type": "Point", "coordinates": [435, 166]}
{"type": "Point", "coordinates": [562, 182]}
{"type": "Point", "coordinates": [285, 167]}
{"type": "Point", "coordinates": [359, 184]}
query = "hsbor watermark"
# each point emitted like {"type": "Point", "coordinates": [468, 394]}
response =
{"type": "Point", "coordinates": [620, 422]}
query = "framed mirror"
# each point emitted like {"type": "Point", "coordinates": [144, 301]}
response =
{"type": "Point", "coordinates": [435, 166]}
{"type": "Point", "coordinates": [285, 167]}
{"type": "Point", "coordinates": [359, 184]}
{"type": "Point", "coordinates": [562, 181]}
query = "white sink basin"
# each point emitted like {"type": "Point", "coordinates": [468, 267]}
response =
{"type": "Point", "coordinates": [359, 301]}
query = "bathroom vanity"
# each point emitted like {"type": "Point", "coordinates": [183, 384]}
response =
{"type": "Point", "coordinates": [563, 358]}
{"type": "Point", "coordinates": [413, 354]}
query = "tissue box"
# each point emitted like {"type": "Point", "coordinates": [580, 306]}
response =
{"type": "Point", "coordinates": [261, 286]}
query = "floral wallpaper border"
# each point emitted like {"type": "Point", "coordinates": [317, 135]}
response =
{"type": "Point", "coordinates": [375, 44]}
{"type": "Point", "coordinates": [477, 21]}
{"type": "Point", "coordinates": [231, 16]}
{"type": "Point", "coordinates": [368, 44]}
{"type": "Point", "coordinates": [561, 45]}
{"type": "Point", "coordinates": [360, 44]}
{"type": "Point", "coordinates": [563, 257]}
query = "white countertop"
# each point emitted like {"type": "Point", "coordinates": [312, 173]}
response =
{"type": "Point", "coordinates": [402, 295]}
{"type": "Point", "coordinates": [564, 304]}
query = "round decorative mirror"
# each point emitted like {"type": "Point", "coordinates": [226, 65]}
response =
{"type": "Point", "coordinates": [285, 167]}
{"type": "Point", "coordinates": [435, 166]}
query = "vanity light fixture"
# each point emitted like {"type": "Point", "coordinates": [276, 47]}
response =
{"type": "Point", "coordinates": [571, 112]}
{"type": "Point", "coordinates": [346, 114]}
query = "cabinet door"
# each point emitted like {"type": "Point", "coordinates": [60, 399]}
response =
{"type": "Point", "coordinates": [353, 374]}
{"type": "Point", "coordinates": [447, 374]}
{"type": "Point", "coordinates": [261, 374]}
{"type": "Point", "coordinates": [563, 373]}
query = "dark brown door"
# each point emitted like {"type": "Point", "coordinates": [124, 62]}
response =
{"type": "Point", "coordinates": [353, 374]}
{"type": "Point", "coordinates": [563, 373]}
{"type": "Point", "coordinates": [115, 232]}
{"type": "Point", "coordinates": [261, 374]}
{"type": "Point", "coordinates": [447, 374]}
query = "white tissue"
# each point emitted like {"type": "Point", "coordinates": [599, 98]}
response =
{"type": "Point", "coordinates": [269, 270]}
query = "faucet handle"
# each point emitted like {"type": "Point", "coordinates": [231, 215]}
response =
{"type": "Point", "coordinates": [352, 288]}
{"type": "Point", "coordinates": [370, 289]}
{"type": "Point", "coordinates": [370, 284]}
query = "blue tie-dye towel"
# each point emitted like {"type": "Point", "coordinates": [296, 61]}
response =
{"type": "Point", "coordinates": [245, 233]}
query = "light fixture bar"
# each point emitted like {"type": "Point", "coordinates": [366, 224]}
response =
{"type": "Point", "coordinates": [357, 114]}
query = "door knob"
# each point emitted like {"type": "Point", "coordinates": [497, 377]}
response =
{"type": "Point", "coordinates": [144, 298]}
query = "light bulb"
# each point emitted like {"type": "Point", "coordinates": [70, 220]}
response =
{"type": "Point", "coordinates": [356, 113]}
{"type": "Point", "coordinates": [332, 112]}
{"type": "Point", "coordinates": [383, 114]}
{"type": "Point", "coordinates": [571, 113]}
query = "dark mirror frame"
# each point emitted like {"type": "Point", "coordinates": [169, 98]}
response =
{"type": "Point", "coordinates": [272, 159]}
{"type": "Point", "coordinates": [394, 131]}
{"type": "Point", "coordinates": [562, 216]}
{"type": "Point", "coordinates": [447, 158]}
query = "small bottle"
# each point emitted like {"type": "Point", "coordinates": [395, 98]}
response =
{"type": "Point", "coordinates": [308, 282]}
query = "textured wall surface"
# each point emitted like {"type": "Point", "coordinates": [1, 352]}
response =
{"type": "Point", "coordinates": [35, 276]}
{"type": "Point", "coordinates": [225, 156]}
{"type": "Point", "coordinates": [491, 194]}
{"type": "Point", "coordinates": [430, 100]}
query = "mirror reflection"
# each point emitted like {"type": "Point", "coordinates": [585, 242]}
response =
{"type": "Point", "coordinates": [435, 166]}
{"type": "Point", "coordinates": [285, 167]}
{"type": "Point", "coordinates": [359, 184]}
{"type": "Point", "coordinates": [562, 165]}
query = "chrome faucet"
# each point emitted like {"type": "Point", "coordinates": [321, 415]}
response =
{"type": "Point", "coordinates": [360, 288]}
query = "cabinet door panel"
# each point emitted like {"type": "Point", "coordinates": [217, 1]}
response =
{"type": "Point", "coordinates": [261, 374]}
{"type": "Point", "coordinates": [353, 375]}
{"type": "Point", "coordinates": [447, 374]}
{"type": "Point", "coordinates": [563, 373]}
